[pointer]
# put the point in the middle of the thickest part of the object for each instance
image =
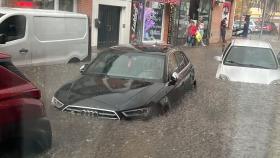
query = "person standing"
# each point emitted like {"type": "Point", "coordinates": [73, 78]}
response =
{"type": "Point", "coordinates": [188, 23]}
{"type": "Point", "coordinates": [191, 33]}
{"type": "Point", "coordinates": [223, 29]}
{"type": "Point", "coordinates": [201, 28]}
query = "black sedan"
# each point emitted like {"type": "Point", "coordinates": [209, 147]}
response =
{"type": "Point", "coordinates": [126, 83]}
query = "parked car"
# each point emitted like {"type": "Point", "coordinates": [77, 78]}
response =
{"type": "Point", "coordinates": [22, 114]}
{"type": "Point", "coordinates": [252, 26]}
{"type": "Point", "coordinates": [249, 61]}
{"type": "Point", "coordinates": [33, 36]}
{"type": "Point", "coordinates": [126, 83]}
{"type": "Point", "coordinates": [268, 27]}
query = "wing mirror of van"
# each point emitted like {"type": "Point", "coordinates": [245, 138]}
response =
{"type": "Point", "coordinates": [83, 68]}
{"type": "Point", "coordinates": [3, 38]}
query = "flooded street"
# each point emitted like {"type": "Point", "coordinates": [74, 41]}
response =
{"type": "Point", "coordinates": [219, 119]}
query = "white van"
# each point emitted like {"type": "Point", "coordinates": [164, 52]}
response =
{"type": "Point", "coordinates": [33, 36]}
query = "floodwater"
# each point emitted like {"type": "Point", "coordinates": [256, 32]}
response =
{"type": "Point", "coordinates": [219, 119]}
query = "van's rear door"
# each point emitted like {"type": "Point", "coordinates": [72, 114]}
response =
{"type": "Point", "coordinates": [15, 28]}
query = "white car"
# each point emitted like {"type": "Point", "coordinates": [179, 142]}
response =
{"type": "Point", "coordinates": [249, 61]}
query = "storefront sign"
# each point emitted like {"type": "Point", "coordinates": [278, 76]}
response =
{"type": "Point", "coordinates": [23, 4]}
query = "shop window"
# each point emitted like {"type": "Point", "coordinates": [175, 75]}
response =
{"type": "Point", "coordinates": [183, 18]}
{"type": "Point", "coordinates": [153, 21]}
{"type": "Point", "coordinates": [44, 4]}
{"type": "Point", "coordinates": [13, 27]}
{"type": "Point", "coordinates": [66, 5]}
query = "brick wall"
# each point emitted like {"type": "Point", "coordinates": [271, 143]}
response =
{"type": "Point", "coordinates": [216, 21]}
{"type": "Point", "coordinates": [9, 3]}
{"type": "Point", "coordinates": [85, 7]}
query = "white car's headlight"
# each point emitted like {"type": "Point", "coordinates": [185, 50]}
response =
{"type": "Point", "coordinates": [57, 103]}
{"type": "Point", "coordinates": [275, 82]}
{"type": "Point", "coordinates": [223, 77]}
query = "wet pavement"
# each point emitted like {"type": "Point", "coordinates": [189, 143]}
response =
{"type": "Point", "coordinates": [219, 119]}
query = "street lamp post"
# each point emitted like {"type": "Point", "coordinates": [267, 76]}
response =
{"type": "Point", "coordinates": [263, 16]}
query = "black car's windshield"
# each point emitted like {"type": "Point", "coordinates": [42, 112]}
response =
{"type": "Point", "coordinates": [251, 57]}
{"type": "Point", "coordinates": [131, 65]}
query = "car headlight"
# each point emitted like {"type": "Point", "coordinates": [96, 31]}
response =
{"type": "Point", "coordinates": [136, 112]}
{"type": "Point", "coordinates": [223, 77]}
{"type": "Point", "coordinates": [275, 82]}
{"type": "Point", "coordinates": [57, 103]}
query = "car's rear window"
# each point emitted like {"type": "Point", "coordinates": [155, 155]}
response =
{"type": "Point", "coordinates": [251, 57]}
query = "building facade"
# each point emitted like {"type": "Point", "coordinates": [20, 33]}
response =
{"type": "Point", "coordinates": [115, 22]}
{"type": "Point", "coordinates": [110, 22]}
{"type": "Point", "coordinates": [166, 21]}
{"type": "Point", "coordinates": [220, 11]}
{"type": "Point", "coordinates": [65, 5]}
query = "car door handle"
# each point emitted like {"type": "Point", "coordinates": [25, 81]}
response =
{"type": "Point", "coordinates": [23, 51]}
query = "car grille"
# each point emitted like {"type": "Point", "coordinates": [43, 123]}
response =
{"type": "Point", "coordinates": [92, 112]}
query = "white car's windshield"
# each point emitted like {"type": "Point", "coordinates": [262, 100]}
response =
{"type": "Point", "coordinates": [251, 57]}
{"type": "Point", "coordinates": [132, 65]}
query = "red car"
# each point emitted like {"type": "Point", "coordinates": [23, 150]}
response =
{"type": "Point", "coordinates": [22, 114]}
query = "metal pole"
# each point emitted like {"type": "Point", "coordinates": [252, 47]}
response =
{"type": "Point", "coordinates": [263, 14]}
{"type": "Point", "coordinates": [241, 14]}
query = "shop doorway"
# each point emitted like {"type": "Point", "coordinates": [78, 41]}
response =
{"type": "Point", "coordinates": [108, 31]}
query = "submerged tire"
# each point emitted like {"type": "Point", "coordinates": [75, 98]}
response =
{"type": "Point", "coordinates": [74, 60]}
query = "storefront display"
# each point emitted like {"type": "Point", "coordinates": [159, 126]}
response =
{"type": "Point", "coordinates": [66, 5]}
{"type": "Point", "coordinates": [153, 21]}
{"type": "Point", "coordinates": [197, 11]}
{"type": "Point", "coordinates": [183, 18]}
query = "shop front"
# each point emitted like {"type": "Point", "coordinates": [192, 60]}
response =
{"type": "Point", "coordinates": [197, 11]}
{"type": "Point", "coordinates": [65, 5]}
{"type": "Point", "coordinates": [166, 21]}
{"type": "Point", "coordinates": [153, 21]}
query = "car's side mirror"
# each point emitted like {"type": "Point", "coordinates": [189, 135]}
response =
{"type": "Point", "coordinates": [174, 78]}
{"type": "Point", "coordinates": [218, 58]}
{"type": "Point", "coordinates": [3, 38]}
{"type": "Point", "coordinates": [83, 68]}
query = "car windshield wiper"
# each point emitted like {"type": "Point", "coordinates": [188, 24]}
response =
{"type": "Point", "coordinates": [247, 65]}
{"type": "Point", "coordinates": [256, 66]}
{"type": "Point", "coordinates": [233, 62]}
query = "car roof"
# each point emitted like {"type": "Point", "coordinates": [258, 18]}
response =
{"type": "Point", "coordinates": [39, 12]}
{"type": "Point", "coordinates": [4, 56]}
{"type": "Point", "coordinates": [147, 49]}
{"type": "Point", "coordinates": [251, 43]}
